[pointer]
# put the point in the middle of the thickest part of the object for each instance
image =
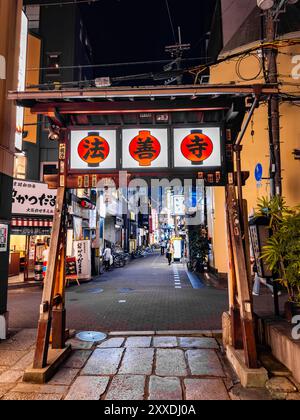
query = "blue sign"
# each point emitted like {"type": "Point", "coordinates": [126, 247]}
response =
{"type": "Point", "coordinates": [258, 172]}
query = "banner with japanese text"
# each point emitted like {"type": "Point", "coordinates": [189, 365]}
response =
{"type": "Point", "coordinates": [33, 198]}
{"type": "Point", "coordinates": [82, 253]}
{"type": "Point", "coordinates": [93, 150]}
{"type": "Point", "coordinates": [145, 148]}
{"type": "Point", "coordinates": [197, 147]}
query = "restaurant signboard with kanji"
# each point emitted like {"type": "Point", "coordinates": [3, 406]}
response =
{"type": "Point", "coordinates": [145, 148]}
{"type": "Point", "coordinates": [93, 150]}
{"type": "Point", "coordinates": [32, 199]}
{"type": "Point", "coordinates": [173, 150]}
{"type": "Point", "coordinates": [197, 147]}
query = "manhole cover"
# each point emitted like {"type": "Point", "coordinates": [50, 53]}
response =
{"type": "Point", "coordinates": [126, 290]}
{"type": "Point", "coordinates": [91, 336]}
{"type": "Point", "coordinates": [95, 291]}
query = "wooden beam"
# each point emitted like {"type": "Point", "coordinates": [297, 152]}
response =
{"type": "Point", "coordinates": [44, 325]}
{"type": "Point", "coordinates": [244, 298]}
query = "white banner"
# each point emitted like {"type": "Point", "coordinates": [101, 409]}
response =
{"type": "Point", "coordinates": [82, 253]}
{"type": "Point", "coordinates": [33, 199]}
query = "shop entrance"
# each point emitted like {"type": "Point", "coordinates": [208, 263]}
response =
{"type": "Point", "coordinates": [202, 145]}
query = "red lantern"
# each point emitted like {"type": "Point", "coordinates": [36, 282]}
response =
{"type": "Point", "coordinates": [93, 150]}
{"type": "Point", "coordinates": [145, 148]}
{"type": "Point", "coordinates": [197, 147]}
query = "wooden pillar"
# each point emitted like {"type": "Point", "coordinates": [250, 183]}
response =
{"type": "Point", "coordinates": [243, 292]}
{"type": "Point", "coordinates": [52, 276]}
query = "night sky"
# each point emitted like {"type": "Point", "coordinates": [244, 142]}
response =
{"type": "Point", "coordinates": [139, 30]}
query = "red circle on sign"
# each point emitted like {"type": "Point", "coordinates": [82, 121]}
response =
{"type": "Point", "coordinates": [145, 148]}
{"type": "Point", "coordinates": [197, 147]}
{"type": "Point", "coordinates": [93, 150]}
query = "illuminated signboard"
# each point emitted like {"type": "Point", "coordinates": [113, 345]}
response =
{"type": "Point", "coordinates": [93, 150]}
{"type": "Point", "coordinates": [145, 148]}
{"type": "Point", "coordinates": [21, 81]}
{"type": "Point", "coordinates": [197, 147]}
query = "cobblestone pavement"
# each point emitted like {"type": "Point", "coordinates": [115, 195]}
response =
{"type": "Point", "coordinates": [136, 367]}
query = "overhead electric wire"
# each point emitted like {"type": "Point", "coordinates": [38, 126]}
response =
{"type": "Point", "coordinates": [171, 21]}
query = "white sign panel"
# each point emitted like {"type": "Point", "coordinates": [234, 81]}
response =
{"type": "Point", "coordinates": [93, 150]}
{"type": "Point", "coordinates": [197, 147]}
{"type": "Point", "coordinates": [21, 81]}
{"type": "Point", "coordinates": [3, 237]}
{"type": "Point", "coordinates": [82, 253]}
{"type": "Point", "coordinates": [145, 148]}
{"type": "Point", "coordinates": [33, 198]}
{"type": "Point", "coordinates": [178, 208]}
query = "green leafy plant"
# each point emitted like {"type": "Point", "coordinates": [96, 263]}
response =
{"type": "Point", "coordinates": [282, 252]}
{"type": "Point", "coordinates": [199, 247]}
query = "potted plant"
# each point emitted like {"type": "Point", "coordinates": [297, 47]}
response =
{"type": "Point", "coordinates": [199, 248]}
{"type": "Point", "coordinates": [282, 252]}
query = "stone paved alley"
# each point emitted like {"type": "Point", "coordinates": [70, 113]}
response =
{"type": "Point", "coordinates": [135, 367]}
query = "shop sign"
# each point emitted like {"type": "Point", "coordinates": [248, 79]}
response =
{"type": "Point", "coordinates": [21, 80]}
{"type": "Point", "coordinates": [3, 237]}
{"type": "Point", "coordinates": [93, 150]}
{"type": "Point", "coordinates": [197, 147]}
{"type": "Point", "coordinates": [82, 253]}
{"type": "Point", "coordinates": [178, 205]}
{"type": "Point", "coordinates": [33, 199]}
{"type": "Point", "coordinates": [145, 148]}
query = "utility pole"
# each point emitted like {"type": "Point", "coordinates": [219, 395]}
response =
{"type": "Point", "coordinates": [176, 52]}
{"type": "Point", "coordinates": [274, 112]}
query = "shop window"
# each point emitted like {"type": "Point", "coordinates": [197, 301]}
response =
{"type": "Point", "coordinates": [20, 164]}
{"type": "Point", "coordinates": [53, 64]}
{"type": "Point", "coordinates": [48, 168]}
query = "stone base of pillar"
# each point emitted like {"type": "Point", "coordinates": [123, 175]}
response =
{"type": "Point", "coordinates": [4, 326]}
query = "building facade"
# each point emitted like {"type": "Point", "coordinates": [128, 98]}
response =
{"type": "Point", "coordinates": [242, 30]}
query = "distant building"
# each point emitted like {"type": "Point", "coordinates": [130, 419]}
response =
{"type": "Point", "coordinates": [64, 43]}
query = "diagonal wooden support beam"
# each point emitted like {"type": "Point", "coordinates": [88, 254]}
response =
{"type": "Point", "coordinates": [244, 297]}
{"type": "Point", "coordinates": [44, 325]}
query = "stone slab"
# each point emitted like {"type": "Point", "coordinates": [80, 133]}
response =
{"type": "Point", "coordinates": [80, 345]}
{"type": "Point", "coordinates": [137, 361]}
{"type": "Point", "coordinates": [141, 342]}
{"type": "Point", "coordinates": [273, 366]}
{"type": "Point", "coordinates": [165, 342]}
{"type": "Point", "coordinates": [64, 376]}
{"type": "Point", "coordinates": [88, 388]}
{"type": "Point", "coordinates": [204, 363]}
{"type": "Point", "coordinates": [112, 343]}
{"type": "Point", "coordinates": [164, 389]}
{"type": "Point", "coordinates": [40, 389]}
{"type": "Point", "coordinates": [103, 362]}
{"type": "Point", "coordinates": [22, 396]}
{"type": "Point", "coordinates": [198, 343]}
{"type": "Point", "coordinates": [22, 340]}
{"type": "Point", "coordinates": [25, 362]}
{"type": "Point", "coordinates": [127, 387]}
{"type": "Point", "coordinates": [4, 388]}
{"type": "Point", "coordinates": [250, 378]}
{"type": "Point", "coordinates": [131, 333]}
{"type": "Point", "coordinates": [11, 376]}
{"type": "Point", "coordinates": [205, 390]}
{"type": "Point", "coordinates": [170, 362]}
{"type": "Point", "coordinates": [9, 358]}
{"type": "Point", "coordinates": [281, 385]}
{"type": "Point", "coordinates": [78, 359]}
